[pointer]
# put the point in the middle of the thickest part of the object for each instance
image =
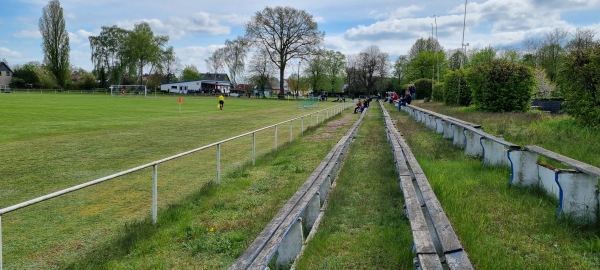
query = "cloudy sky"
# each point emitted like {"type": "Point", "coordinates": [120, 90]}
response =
{"type": "Point", "coordinates": [197, 27]}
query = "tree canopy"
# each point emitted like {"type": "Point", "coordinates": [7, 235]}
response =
{"type": "Point", "coordinates": [55, 42]}
{"type": "Point", "coordinates": [284, 33]}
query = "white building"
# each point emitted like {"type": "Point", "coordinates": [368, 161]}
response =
{"type": "Point", "coordinates": [211, 83]}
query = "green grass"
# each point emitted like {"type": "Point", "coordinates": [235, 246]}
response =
{"type": "Point", "coordinates": [364, 227]}
{"type": "Point", "coordinates": [50, 142]}
{"type": "Point", "coordinates": [501, 227]}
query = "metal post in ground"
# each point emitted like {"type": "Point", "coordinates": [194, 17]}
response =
{"type": "Point", "coordinates": [276, 138]}
{"type": "Point", "coordinates": [253, 148]}
{"type": "Point", "coordinates": [218, 163]}
{"type": "Point", "coordinates": [154, 193]}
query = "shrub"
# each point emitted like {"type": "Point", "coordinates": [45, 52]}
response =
{"type": "Point", "coordinates": [437, 93]}
{"type": "Point", "coordinates": [423, 88]}
{"type": "Point", "coordinates": [579, 81]}
{"type": "Point", "coordinates": [501, 86]}
{"type": "Point", "coordinates": [453, 81]}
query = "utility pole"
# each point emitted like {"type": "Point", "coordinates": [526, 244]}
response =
{"type": "Point", "coordinates": [462, 46]}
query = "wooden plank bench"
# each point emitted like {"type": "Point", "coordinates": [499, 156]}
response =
{"type": "Point", "coordinates": [283, 238]}
{"type": "Point", "coordinates": [422, 205]}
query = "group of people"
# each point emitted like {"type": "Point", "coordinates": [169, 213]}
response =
{"type": "Point", "coordinates": [361, 105]}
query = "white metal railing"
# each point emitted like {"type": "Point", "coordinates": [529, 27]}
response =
{"type": "Point", "coordinates": [334, 111]}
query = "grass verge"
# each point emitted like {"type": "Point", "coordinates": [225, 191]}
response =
{"type": "Point", "coordinates": [364, 227]}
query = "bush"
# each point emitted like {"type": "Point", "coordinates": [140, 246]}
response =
{"type": "Point", "coordinates": [423, 88]}
{"type": "Point", "coordinates": [453, 81]}
{"type": "Point", "coordinates": [579, 82]}
{"type": "Point", "coordinates": [501, 86]}
{"type": "Point", "coordinates": [437, 93]}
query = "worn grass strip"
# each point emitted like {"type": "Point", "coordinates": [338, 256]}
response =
{"type": "Point", "coordinates": [501, 227]}
{"type": "Point", "coordinates": [212, 227]}
{"type": "Point", "coordinates": [363, 227]}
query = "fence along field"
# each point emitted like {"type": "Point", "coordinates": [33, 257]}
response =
{"type": "Point", "coordinates": [72, 139]}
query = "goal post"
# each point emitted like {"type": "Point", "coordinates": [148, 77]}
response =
{"type": "Point", "coordinates": [128, 90]}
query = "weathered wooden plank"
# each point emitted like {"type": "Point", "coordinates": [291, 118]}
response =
{"type": "Point", "coordinates": [423, 242]}
{"type": "Point", "coordinates": [447, 236]}
{"type": "Point", "coordinates": [429, 262]}
{"type": "Point", "coordinates": [458, 260]}
{"type": "Point", "coordinates": [580, 166]}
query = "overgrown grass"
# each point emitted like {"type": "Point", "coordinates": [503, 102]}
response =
{"type": "Point", "coordinates": [557, 133]}
{"type": "Point", "coordinates": [364, 227]}
{"type": "Point", "coordinates": [501, 227]}
{"type": "Point", "coordinates": [50, 142]}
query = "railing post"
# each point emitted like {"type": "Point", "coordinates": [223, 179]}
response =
{"type": "Point", "coordinates": [310, 120]}
{"type": "Point", "coordinates": [291, 134]}
{"type": "Point", "coordinates": [253, 148]}
{"type": "Point", "coordinates": [275, 137]}
{"type": "Point", "coordinates": [154, 193]}
{"type": "Point", "coordinates": [302, 126]}
{"type": "Point", "coordinates": [218, 163]}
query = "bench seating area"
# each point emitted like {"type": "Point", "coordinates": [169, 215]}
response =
{"type": "Point", "coordinates": [436, 245]}
{"type": "Point", "coordinates": [576, 188]}
{"type": "Point", "coordinates": [282, 240]}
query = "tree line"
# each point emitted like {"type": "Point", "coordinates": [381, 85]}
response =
{"type": "Point", "coordinates": [560, 65]}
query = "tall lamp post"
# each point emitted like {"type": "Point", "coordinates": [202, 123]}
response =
{"type": "Point", "coordinates": [463, 48]}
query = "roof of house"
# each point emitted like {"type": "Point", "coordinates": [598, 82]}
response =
{"type": "Point", "coordinates": [215, 76]}
{"type": "Point", "coordinates": [4, 67]}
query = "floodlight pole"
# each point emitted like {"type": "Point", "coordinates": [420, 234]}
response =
{"type": "Point", "coordinates": [463, 48]}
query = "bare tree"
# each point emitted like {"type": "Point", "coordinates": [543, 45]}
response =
{"type": "Point", "coordinates": [235, 57]}
{"type": "Point", "coordinates": [284, 33]}
{"type": "Point", "coordinates": [261, 70]}
{"type": "Point", "coordinates": [583, 39]}
{"type": "Point", "coordinates": [372, 64]}
{"type": "Point", "coordinates": [55, 42]}
{"type": "Point", "coordinates": [215, 61]}
{"type": "Point", "coordinates": [552, 49]}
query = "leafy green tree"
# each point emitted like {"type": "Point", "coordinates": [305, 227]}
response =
{"type": "Point", "coordinates": [107, 54]}
{"type": "Point", "coordinates": [25, 77]}
{"type": "Point", "coordinates": [501, 86]}
{"type": "Point", "coordinates": [315, 71]}
{"type": "Point", "coordinates": [579, 81]}
{"type": "Point", "coordinates": [190, 73]}
{"type": "Point", "coordinates": [284, 33]}
{"type": "Point", "coordinates": [422, 66]}
{"type": "Point", "coordinates": [55, 42]}
{"type": "Point", "coordinates": [456, 59]}
{"type": "Point", "coordinates": [486, 55]}
{"type": "Point", "coordinates": [143, 48]}
{"type": "Point", "coordinates": [451, 87]}
{"type": "Point", "coordinates": [334, 62]}
{"type": "Point", "coordinates": [401, 69]}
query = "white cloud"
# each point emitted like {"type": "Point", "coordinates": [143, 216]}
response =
{"type": "Point", "coordinates": [79, 36]}
{"type": "Point", "coordinates": [28, 34]}
{"type": "Point", "coordinates": [8, 53]}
